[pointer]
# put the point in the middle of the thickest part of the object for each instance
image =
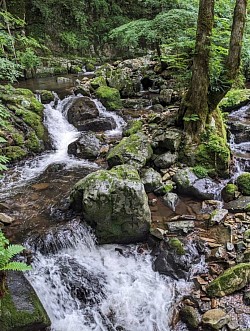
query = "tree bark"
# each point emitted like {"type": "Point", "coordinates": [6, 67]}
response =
{"type": "Point", "coordinates": [234, 54]}
{"type": "Point", "coordinates": [200, 99]}
{"type": "Point", "coordinates": [196, 101]}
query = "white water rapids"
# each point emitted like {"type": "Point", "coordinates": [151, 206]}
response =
{"type": "Point", "coordinates": [123, 292]}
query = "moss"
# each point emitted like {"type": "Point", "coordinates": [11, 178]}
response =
{"type": "Point", "coordinates": [177, 245]}
{"type": "Point", "coordinates": [97, 82]}
{"type": "Point", "coordinates": [18, 138]}
{"type": "Point", "coordinates": [167, 188]}
{"type": "Point", "coordinates": [75, 69]}
{"type": "Point", "coordinates": [45, 95]}
{"type": "Point", "coordinates": [200, 171]}
{"type": "Point", "coordinates": [229, 192]}
{"type": "Point", "coordinates": [14, 152]}
{"type": "Point", "coordinates": [110, 97]}
{"type": "Point", "coordinates": [214, 153]}
{"type": "Point", "coordinates": [60, 70]}
{"type": "Point", "coordinates": [32, 142]}
{"type": "Point", "coordinates": [13, 319]}
{"type": "Point", "coordinates": [25, 92]}
{"type": "Point", "coordinates": [243, 182]}
{"type": "Point", "coordinates": [135, 127]}
{"type": "Point", "coordinates": [231, 280]}
{"type": "Point", "coordinates": [90, 66]}
{"type": "Point", "coordinates": [235, 97]}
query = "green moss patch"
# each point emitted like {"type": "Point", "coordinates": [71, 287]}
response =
{"type": "Point", "coordinates": [243, 182]}
{"type": "Point", "coordinates": [235, 97]}
{"type": "Point", "coordinates": [110, 97]}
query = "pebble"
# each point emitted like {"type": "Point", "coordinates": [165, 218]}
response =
{"type": "Point", "coordinates": [6, 219]}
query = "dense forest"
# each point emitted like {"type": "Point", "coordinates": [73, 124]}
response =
{"type": "Point", "coordinates": [124, 165]}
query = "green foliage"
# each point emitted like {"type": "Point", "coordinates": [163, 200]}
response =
{"type": "Point", "coordinates": [9, 70]}
{"type": "Point", "coordinates": [200, 171]}
{"type": "Point", "coordinates": [7, 252]}
{"type": "Point", "coordinates": [243, 182]}
{"type": "Point", "coordinates": [191, 118]}
{"type": "Point", "coordinates": [28, 59]}
{"type": "Point", "coordinates": [235, 97]}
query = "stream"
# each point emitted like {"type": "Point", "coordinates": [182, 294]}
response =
{"type": "Point", "coordinates": [83, 286]}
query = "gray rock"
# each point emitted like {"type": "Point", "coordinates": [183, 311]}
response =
{"type": "Point", "coordinates": [86, 147]}
{"type": "Point", "coordinates": [170, 200]}
{"type": "Point", "coordinates": [189, 184]}
{"type": "Point", "coordinates": [158, 233]}
{"type": "Point", "coordinates": [217, 216]}
{"type": "Point", "coordinates": [6, 219]}
{"type": "Point", "coordinates": [169, 140]}
{"type": "Point", "coordinates": [181, 226]}
{"type": "Point", "coordinates": [215, 318]}
{"type": "Point", "coordinates": [115, 203]}
{"type": "Point", "coordinates": [240, 205]}
{"type": "Point", "coordinates": [97, 124]}
{"type": "Point", "coordinates": [165, 96]}
{"type": "Point", "coordinates": [151, 179]}
{"type": "Point", "coordinates": [134, 150]}
{"type": "Point", "coordinates": [21, 300]}
{"type": "Point", "coordinates": [81, 109]}
{"type": "Point", "coordinates": [165, 160]}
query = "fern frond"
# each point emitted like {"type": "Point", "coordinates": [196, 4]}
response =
{"type": "Point", "coordinates": [17, 266]}
{"type": "Point", "coordinates": [13, 250]}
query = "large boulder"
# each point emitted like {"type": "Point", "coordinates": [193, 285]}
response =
{"type": "Point", "coordinates": [189, 184]}
{"type": "Point", "coordinates": [115, 203]}
{"type": "Point", "coordinates": [82, 109]}
{"type": "Point", "coordinates": [233, 279]}
{"type": "Point", "coordinates": [86, 147]}
{"type": "Point", "coordinates": [165, 160]}
{"type": "Point", "coordinates": [110, 97]}
{"type": "Point", "coordinates": [169, 140]}
{"type": "Point", "coordinates": [215, 319]}
{"type": "Point", "coordinates": [20, 308]}
{"type": "Point", "coordinates": [243, 182]}
{"type": "Point", "coordinates": [134, 150]}
{"type": "Point", "coordinates": [98, 124]}
{"type": "Point", "coordinates": [239, 205]}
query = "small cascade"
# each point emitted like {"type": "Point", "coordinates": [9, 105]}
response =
{"type": "Point", "coordinates": [120, 123]}
{"type": "Point", "coordinates": [239, 122]}
{"type": "Point", "coordinates": [86, 287]}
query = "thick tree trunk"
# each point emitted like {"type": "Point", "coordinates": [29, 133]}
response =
{"type": "Point", "coordinates": [234, 54]}
{"type": "Point", "coordinates": [196, 101]}
{"type": "Point", "coordinates": [200, 99]}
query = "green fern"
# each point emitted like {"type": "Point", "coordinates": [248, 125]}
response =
{"type": "Point", "coordinates": [17, 266]}
{"type": "Point", "coordinates": [7, 252]}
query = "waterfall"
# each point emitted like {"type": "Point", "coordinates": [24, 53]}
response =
{"type": "Point", "coordinates": [86, 287]}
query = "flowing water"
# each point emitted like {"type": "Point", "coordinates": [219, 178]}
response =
{"type": "Point", "coordinates": [83, 286]}
{"type": "Point", "coordinates": [239, 122]}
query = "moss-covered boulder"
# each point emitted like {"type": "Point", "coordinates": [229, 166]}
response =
{"type": "Point", "coordinates": [229, 192]}
{"type": "Point", "coordinates": [97, 82]}
{"type": "Point", "coordinates": [190, 316]}
{"type": "Point", "coordinates": [233, 279]}
{"type": "Point", "coordinates": [239, 205]}
{"type": "Point", "coordinates": [45, 96]}
{"type": "Point", "coordinates": [110, 97]}
{"type": "Point", "coordinates": [20, 307]}
{"type": "Point", "coordinates": [134, 127]}
{"type": "Point", "coordinates": [115, 203]}
{"type": "Point", "coordinates": [134, 150]}
{"type": "Point", "coordinates": [22, 123]}
{"type": "Point", "coordinates": [243, 182]}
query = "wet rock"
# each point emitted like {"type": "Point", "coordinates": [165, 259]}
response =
{"type": "Point", "coordinates": [189, 184]}
{"type": "Point", "coordinates": [182, 227]}
{"type": "Point", "coordinates": [169, 140]}
{"type": "Point", "coordinates": [81, 109]}
{"type": "Point", "coordinates": [158, 233]}
{"type": "Point", "coordinates": [87, 146]}
{"type": "Point", "coordinates": [233, 279]}
{"type": "Point", "coordinates": [40, 186]}
{"type": "Point", "coordinates": [217, 216]}
{"type": "Point", "coordinates": [6, 219]}
{"type": "Point", "coordinates": [21, 308]}
{"type": "Point", "coordinates": [134, 150]}
{"type": "Point", "coordinates": [215, 319]}
{"type": "Point", "coordinates": [98, 124]}
{"type": "Point", "coordinates": [243, 182]}
{"type": "Point", "coordinates": [151, 179]}
{"type": "Point", "coordinates": [190, 316]}
{"type": "Point", "coordinates": [174, 260]}
{"type": "Point", "coordinates": [171, 200]}
{"type": "Point", "coordinates": [115, 203]}
{"type": "Point", "coordinates": [240, 205]}
{"type": "Point", "coordinates": [229, 192]}
{"type": "Point", "coordinates": [165, 160]}
{"type": "Point", "coordinates": [45, 95]}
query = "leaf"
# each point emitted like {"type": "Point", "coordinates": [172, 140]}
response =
{"type": "Point", "coordinates": [17, 266]}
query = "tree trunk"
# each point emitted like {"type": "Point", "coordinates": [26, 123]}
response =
{"type": "Point", "coordinates": [234, 54]}
{"type": "Point", "coordinates": [196, 100]}
{"type": "Point", "coordinates": [201, 100]}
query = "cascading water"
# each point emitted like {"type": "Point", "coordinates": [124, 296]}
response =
{"type": "Point", "coordinates": [96, 288]}
{"type": "Point", "coordinates": [239, 121]}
